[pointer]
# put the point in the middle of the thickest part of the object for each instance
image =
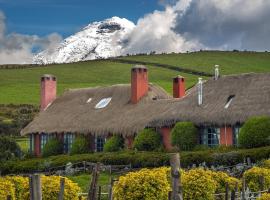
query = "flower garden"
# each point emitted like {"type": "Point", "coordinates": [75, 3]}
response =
{"type": "Point", "coordinates": [149, 184]}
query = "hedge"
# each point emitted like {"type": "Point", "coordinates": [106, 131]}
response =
{"type": "Point", "coordinates": [147, 140]}
{"type": "Point", "coordinates": [138, 159]}
{"type": "Point", "coordinates": [52, 147]}
{"type": "Point", "coordinates": [115, 143]}
{"type": "Point", "coordinates": [80, 146]}
{"type": "Point", "coordinates": [255, 132]}
{"type": "Point", "coordinates": [184, 136]}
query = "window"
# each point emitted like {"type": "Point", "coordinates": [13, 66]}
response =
{"type": "Point", "coordinates": [210, 136]}
{"type": "Point", "coordinates": [103, 103]}
{"type": "Point", "coordinates": [89, 100]}
{"type": "Point", "coordinates": [68, 141]}
{"type": "Point", "coordinates": [31, 143]}
{"type": "Point", "coordinates": [99, 143]}
{"type": "Point", "coordinates": [229, 101]}
{"type": "Point", "coordinates": [236, 131]}
{"type": "Point", "coordinates": [44, 139]}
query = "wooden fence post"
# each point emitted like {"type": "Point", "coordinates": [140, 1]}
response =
{"type": "Point", "coordinates": [62, 189]}
{"type": "Point", "coordinates": [176, 177]}
{"type": "Point", "coordinates": [227, 191]}
{"type": "Point", "coordinates": [261, 182]}
{"type": "Point", "coordinates": [92, 193]}
{"type": "Point", "coordinates": [35, 187]}
{"type": "Point", "coordinates": [236, 190]}
{"type": "Point", "coordinates": [31, 187]}
{"type": "Point", "coordinates": [99, 192]}
{"type": "Point", "coordinates": [111, 189]}
{"type": "Point", "coordinates": [243, 188]}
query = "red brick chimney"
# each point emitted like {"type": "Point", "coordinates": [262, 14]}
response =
{"type": "Point", "coordinates": [139, 83]}
{"type": "Point", "coordinates": [47, 90]}
{"type": "Point", "coordinates": [179, 89]}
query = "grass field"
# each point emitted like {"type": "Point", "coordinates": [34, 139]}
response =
{"type": "Point", "coordinates": [22, 85]}
{"type": "Point", "coordinates": [84, 179]}
{"type": "Point", "coordinates": [230, 62]}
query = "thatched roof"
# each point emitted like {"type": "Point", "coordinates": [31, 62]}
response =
{"type": "Point", "coordinates": [249, 95]}
{"type": "Point", "coordinates": [71, 112]}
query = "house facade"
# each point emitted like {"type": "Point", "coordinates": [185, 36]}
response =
{"type": "Point", "coordinates": [218, 107]}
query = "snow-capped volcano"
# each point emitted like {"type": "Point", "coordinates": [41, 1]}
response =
{"type": "Point", "coordinates": [97, 40]}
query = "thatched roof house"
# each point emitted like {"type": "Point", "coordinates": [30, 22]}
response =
{"type": "Point", "coordinates": [219, 106]}
{"type": "Point", "coordinates": [229, 100]}
{"type": "Point", "coordinates": [75, 111]}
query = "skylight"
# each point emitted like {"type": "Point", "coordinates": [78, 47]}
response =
{"type": "Point", "coordinates": [103, 103]}
{"type": "Point", "coordinates": [89, 100]}
{"type": "Point", "coordinates": [229, 101]}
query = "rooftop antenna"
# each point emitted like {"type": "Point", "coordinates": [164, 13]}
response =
{"type": "Point", "coordinates": [200, 91]}
{"type": "Point", "coordinates": [216, 72]}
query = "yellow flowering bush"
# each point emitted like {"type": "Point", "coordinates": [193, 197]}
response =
{"type": "Point", "coordinates": [21, 185]}
{"type": "Point", "coordinates": [222, 178]}
{"type": "Point", "coordinates": [198, 184]}
{"type": "Point", "coordinates": [265, 196]}
{"type": "Point", "coordinates": [266, 164]}
{"type": "Point", "coordinates": [51, 185]}
{"type": "Point", "coordinates": [6, 188]}
{"type": "Point", "coordinates": [253, 175]}
{"type": "Point", "coordinates": [18, 187]}
{"type": "Point", "coordinates": [144, 184]}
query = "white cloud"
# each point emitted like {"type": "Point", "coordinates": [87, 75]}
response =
{"type": "Point", "coordinates": [17, 48]}
{"type": "Point", "coordinates": [203, 24]}
{"type": "Point", "coordinates": [154, 32]}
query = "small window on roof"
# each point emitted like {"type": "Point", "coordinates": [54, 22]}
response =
{"type": "Point", "coordinates": [229, 101]}
{"type": "Point", "coordinates": [103, 103]}
{"type": "Point", "coordinates": [89, 100]}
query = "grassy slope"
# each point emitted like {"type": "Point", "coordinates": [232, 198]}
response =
{"type": "Point", "coordinates": [22, 85]}
{"type": "Point", "coordinates": [230, 62]}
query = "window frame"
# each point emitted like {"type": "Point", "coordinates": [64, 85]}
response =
{"type": "Point", "coordinates": [210, 136]}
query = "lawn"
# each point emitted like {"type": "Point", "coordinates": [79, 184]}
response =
{"type": "Point", "coordinates": [84, 179]}
{"type": "Point", "coordinates": [22, 85]}
{"type": "Point", "coordinates": [19, 86]}
{"type": "Point", "coordinates": [230, 62]}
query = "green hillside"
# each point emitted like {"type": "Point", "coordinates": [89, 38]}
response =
{"type": "Point", "coordinates": [22, 85]}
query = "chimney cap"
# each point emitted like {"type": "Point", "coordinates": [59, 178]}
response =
{"type": "Point", "coordinates": [48, 76]}
{"type": "Point", "coordinates": [178, 76]}
{"type": "Point", "coordinates": [139, 67]}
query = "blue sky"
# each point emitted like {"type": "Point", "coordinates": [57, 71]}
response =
{"type": "Point", "coordinates": [65, 17]}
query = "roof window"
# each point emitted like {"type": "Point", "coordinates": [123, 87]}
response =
{"type": "Point", "coordinates": [229, 101]}
{"type": "Point", "coordinates": [103, 103]}
{"type": "Point", "coordinates": [89, 100]}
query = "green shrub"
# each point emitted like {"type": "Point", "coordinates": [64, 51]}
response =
{"type": "Point", "coordinates": [9, 149]}
{"type": "Point", "coordinates": [115, 143]}
{"type": "Point", "coordinates": [80, 146]}
{"type": "Point", "coordinates": [147, 140]}
{"type": "Point", "coordinates": [255, 132]}
{"type": "Point", "coordinates": [137, 159]}
{"type": "Point", "coordinates": [52, 147]}
{"type": "Point", "coordinates": [184, 135]}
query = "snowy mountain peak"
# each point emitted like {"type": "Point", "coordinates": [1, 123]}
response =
{"type": "Point", "coordinates": [97, 40]}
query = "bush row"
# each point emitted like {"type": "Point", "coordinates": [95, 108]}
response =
{"type": "Point", "coordinates": [198, 183]}
{"type": "Point", "coordinates": [18, 188]}
{"type": "Point", "coordinates": [137, 159]}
